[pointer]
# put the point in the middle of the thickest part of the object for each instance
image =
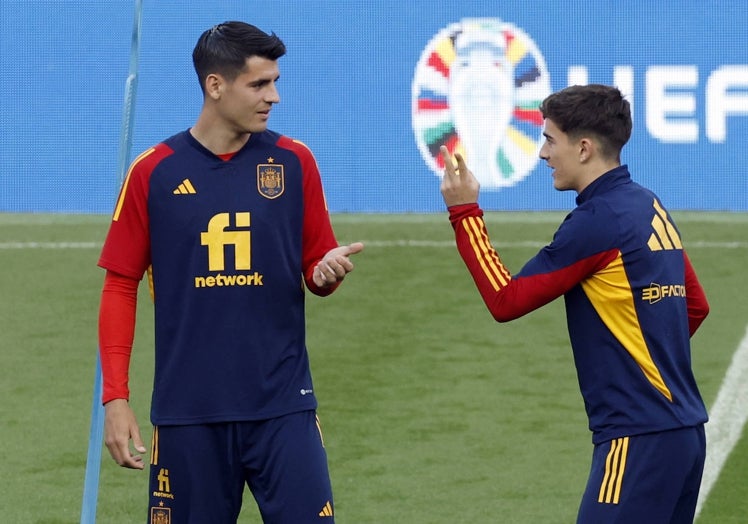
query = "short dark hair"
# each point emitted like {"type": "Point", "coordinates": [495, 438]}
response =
{"type": "Point", "coordinates": [224, 49]}
{"type": "Point", "coordinates": [594, 109]}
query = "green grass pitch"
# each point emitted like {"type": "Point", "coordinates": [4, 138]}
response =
{"type": "Point", "coordinates": [432, 412]}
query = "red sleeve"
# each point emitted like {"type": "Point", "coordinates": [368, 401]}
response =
{"type": "Point", "coordinates": [698, 307]}
{"type": "Point", "coordinates": [127, 246]}
{"type": "Point", "coordinates": [116, 333]}
{"type": "Point", "coordinates": [317, 236]}
{"type": "Point", "coordinates": [507, 297]}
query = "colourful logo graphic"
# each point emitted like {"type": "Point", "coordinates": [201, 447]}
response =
{"type": "Point", "coordinates": [477, 89]}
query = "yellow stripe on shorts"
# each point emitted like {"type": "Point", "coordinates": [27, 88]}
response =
{"type": "Point", "coordinates": [615, 467]}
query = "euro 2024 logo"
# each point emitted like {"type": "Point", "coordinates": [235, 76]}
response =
{"type": "Point", "coordinates": [477, 88]}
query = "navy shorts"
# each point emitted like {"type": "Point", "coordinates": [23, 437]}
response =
{"type": "Point", "coordinates": [652, 478]}
{"type": "Point", "coordinates": [198, 472]}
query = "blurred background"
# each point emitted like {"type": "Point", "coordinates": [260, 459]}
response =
{"type": "Point", "coordinates": [432, 411]}
{"type": "Point", "coordinates": [373, 87]}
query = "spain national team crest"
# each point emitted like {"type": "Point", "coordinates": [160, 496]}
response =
{"type": "Point", "coordinates": [477, 88]}
{"type": "Point", "coordinates": [270, 180]}
{"type": "Point", "coordinates": [160, 515]}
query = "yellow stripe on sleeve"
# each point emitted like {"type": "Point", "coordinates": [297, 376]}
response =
{"type": "Point", "coordinates": [671, 231]}
{"type": "Point", "coordinates": [660, 228]}
{"type": "Point", "coordinates": [123, 192]}
{"type": "Point", "coordinates": [486, 255]}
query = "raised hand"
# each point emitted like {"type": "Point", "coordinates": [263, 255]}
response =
{"type": "Point", "coordinates": [459, 185]}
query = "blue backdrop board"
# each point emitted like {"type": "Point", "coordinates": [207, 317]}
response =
{"type": "Point", "coordinates": [374, 87]}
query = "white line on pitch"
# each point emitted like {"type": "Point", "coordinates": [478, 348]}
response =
{"type": "Point", "coordinates": [531, 243]}
{"type": "Point", "coordinates": [371, 243]}
{"type": "Point", "coordinates": [49, 245]}
{"type": "Point", "coordinates": [727, 417]}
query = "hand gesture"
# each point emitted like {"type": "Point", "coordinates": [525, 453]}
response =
{"type": "Point", "coordinates": [459, 185]}
{"type": "Point", "coordinates": [335, 265]}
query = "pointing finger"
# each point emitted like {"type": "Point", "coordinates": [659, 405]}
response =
{"type": "Point", "coordinates": [449, 168]}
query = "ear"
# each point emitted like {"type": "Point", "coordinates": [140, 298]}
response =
{"type": "Point", "coordinates": [587, 149]}
{"type": "Point", "coordinates": [214, 86]}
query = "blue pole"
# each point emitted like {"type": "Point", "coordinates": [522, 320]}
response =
{"type": "Point", "coordinates": [96, 435]}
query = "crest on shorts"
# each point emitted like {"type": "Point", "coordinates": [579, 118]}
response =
{"type": "Point", "coordinates": [270, 179]}
{"type": "Point", "coordinates": [160, 515]}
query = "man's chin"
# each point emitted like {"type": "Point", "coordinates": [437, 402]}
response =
{"type": "Point", "coordinates": [258, 128]}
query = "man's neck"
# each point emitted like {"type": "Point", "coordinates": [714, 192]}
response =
{"type": "Point", "coordinates": [594, 171]}
{"type": "Point", "coordinates": [216, 138]}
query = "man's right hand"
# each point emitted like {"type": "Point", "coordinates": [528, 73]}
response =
{"type": "Point", "coordinates": [120, 427]}
{"type": "Point", "coordinates": [459, 185]}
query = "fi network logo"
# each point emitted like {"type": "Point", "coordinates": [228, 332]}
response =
{"type": "Point", "coordinates": [218, 238]}
{"type": "Point", "coordinates": [164, 487]}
